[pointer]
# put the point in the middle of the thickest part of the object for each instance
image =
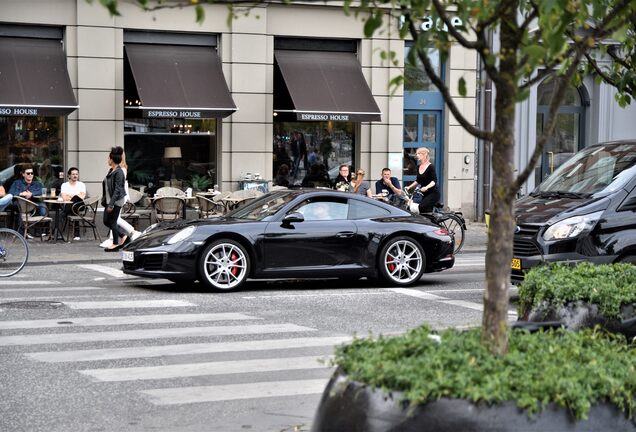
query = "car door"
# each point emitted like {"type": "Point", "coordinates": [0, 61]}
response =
{"type": "Point", "coordinates": [323, 239]}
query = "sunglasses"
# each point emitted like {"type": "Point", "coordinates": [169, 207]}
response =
{"type": "Point", "coordinates": [29, 173]}
{"type": "Point", "coordinates": [360, 173]}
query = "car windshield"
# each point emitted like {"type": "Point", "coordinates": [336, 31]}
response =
{"type": "Point", "coordinates": [264, 206]}
{"type": "Point", "coordinates": [594, 171]}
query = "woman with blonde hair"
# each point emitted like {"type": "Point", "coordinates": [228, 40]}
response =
{"type": "Point", "coordinates": [360, 186]}
{"type": "Point", "coordinates": [427, 181]}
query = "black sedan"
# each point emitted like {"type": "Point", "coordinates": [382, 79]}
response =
{"type": "Point", "coordinates": [294, 234]}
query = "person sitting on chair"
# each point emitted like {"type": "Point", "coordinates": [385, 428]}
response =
{"type": "Point", "coordinates": [75, 191]}
{"type": "Point", "coordinates": [27, 188]}
{"type": "Point", "coordinates": [5, 199]}
{"type": "Point", "coordinates": [388, 186]}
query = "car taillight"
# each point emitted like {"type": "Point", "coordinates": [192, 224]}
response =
{"type": "Point", "coordinates": [441, 231]}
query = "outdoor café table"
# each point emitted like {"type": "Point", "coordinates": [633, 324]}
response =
{"type": "Point", "coordinates": [56, 204]}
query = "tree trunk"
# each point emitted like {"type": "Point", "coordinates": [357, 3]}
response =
{"type": "Point", "coordinates": [499, 254]}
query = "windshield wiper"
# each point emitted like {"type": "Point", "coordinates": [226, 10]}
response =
{"type": "Point", "coordinates": [561, 194]}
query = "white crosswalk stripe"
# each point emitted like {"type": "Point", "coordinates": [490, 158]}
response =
{"type": "Point", "coordinates": [206, 368]}
{"type": "Point", "coordinates": [175, 396]}
{"type": "Point", "coordinates": [127, 304]}
{"type": "Point", "coordinates": [185, 349]}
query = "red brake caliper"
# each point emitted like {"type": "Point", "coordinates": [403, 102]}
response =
{"type": "Point", "coordinates": [235, 269]}
{"type": "Point", "coordinates": [390, 264]}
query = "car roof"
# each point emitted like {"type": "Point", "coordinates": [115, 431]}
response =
{"type": "Point", "coordinates": [312, 192]}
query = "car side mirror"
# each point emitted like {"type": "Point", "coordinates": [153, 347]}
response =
{"type": "Point", "coordinates": [293, 218]}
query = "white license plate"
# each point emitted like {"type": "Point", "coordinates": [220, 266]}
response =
{"type": "Point", "coordinates": [128, 256]}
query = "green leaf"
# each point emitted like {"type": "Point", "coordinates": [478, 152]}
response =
{"type": "Point", "coordinates": [374, 22]}
{"type": "Point", "coordinates": [461, 87]}
{"type": "Point", "coordinates": [200, 14]}
{"type": "Point", "coordinates": [535, 52]}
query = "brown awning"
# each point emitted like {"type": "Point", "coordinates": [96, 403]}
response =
{"type": "Point", "coordinates": [179, 81]}
{"type": "Point", "coordinates": [34, 79]}
{"type": "Point", "coordinates": [326, 86]}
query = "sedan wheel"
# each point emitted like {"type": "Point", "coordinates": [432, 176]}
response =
{"type": "Point", "coordinates": [224, 265]}
{"type": "Point", "coordinates": [402, 261]}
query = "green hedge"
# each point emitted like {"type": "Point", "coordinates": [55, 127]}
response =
{"type": "Point", "coordinates": [608, 286]}
{"type": "Point", "coordinates": [570, 369]}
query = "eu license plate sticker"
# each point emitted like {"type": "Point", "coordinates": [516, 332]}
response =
{"type": "Point", "coordinates": [516, 264]}
{"type": "Point", "coordinates": [128, 256]}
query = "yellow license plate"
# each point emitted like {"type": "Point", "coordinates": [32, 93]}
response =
{"type": "Point", "coordinates": [516, 264]}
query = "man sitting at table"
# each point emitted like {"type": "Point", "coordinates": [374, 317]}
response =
{"type": "Point", "coordinates": [27, 188]}
{"type": "Point", "coordinates": [389, 184]}
{"type": "Point", "coordinates": [75, 191]}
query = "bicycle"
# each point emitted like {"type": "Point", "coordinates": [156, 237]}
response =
{"type": "Point", "coordinates": [454, 222]}
{"type": "Point", "coordinates": [14, 252]}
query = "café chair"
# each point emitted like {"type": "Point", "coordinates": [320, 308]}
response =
{"type": "Point", "coordinates": [82, 216]}
{"type": "Point", "coordinates": [29, 217]}
{"type": "Point", "coordinates": [168, 191]}
{"type": "Point", "coordinates": [208, 207]}
{"type": "Point", "coordinates": [134, 211]}
{"type": "Point", "coordinates": [168, 208]}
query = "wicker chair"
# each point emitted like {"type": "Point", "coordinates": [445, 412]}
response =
{"type": "Point", "coordinates": [170, 192]}
{"type": "Point", "coordinates": [83, 216]}
{"type": "Point", "coordinates": [133, 211]}
{"type": "Point", "coordinates": [208, 207]}
{"type": "Point", "coordinates": [29, 217]}
{"type": "Point", "coordinates": [168, 208]}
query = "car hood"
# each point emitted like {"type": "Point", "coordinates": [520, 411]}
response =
{"type": "Point", "coordinates": [541, 210]}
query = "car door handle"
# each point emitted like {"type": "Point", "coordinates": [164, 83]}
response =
{"type": "Point", "coordinates": [345, 234]}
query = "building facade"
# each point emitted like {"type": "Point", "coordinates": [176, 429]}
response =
{"type": "Point", "coordinates": [284, 94]}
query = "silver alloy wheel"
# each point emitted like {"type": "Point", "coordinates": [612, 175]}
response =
{"type": "Point", "coordinates": [225, 265]}
{"type": "Point", "coordinates": [403, 261]}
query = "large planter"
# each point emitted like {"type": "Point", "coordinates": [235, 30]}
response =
{"type": "Point", "coordinates": [579, 315]}
{"type": "Point", "coordinates": [351, 406]}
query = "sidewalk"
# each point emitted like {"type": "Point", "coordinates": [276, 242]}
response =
{"type": "Point", "coordinates": [87, 250]}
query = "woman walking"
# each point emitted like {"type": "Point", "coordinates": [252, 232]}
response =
{"type": "Point", "coordinates": [114, 196]}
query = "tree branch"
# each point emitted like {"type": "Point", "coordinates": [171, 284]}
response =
{"type": "Point", "coordinates": [453, 31]}
{"type": "Point", "coordinates": [437, 81]}
{"type": "Point", "coordinates": [598, 70]}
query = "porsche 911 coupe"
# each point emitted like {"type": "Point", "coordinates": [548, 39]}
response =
{"type": "Point", "coordinates": [310, 233]}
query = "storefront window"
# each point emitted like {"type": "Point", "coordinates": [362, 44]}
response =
{"type": "Point", "coordinates": [153, 147]}
{"type": "Point", "coordinates": [35, 140]}
{"type": "Point", "coordinates": [309, 153]}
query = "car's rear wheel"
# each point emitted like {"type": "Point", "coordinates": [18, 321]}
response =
{"type": "Point", "coordinates": [224, 265]}
{"type": "Point", "coordinates": [402, 261]}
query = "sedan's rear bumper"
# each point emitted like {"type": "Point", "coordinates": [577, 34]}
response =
{"type": "Point", "coordinates": [442, 264]}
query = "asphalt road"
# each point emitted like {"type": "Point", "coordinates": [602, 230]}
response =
{"type": "Point", "coordinates": [86, 348]}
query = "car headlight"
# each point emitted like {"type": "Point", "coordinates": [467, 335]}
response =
{"type": "Point", "coordinates": [181, 235]}
{"type": "Point", "coordinates": [572, 227]}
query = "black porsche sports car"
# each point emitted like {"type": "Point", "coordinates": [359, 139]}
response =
{"type": "Point", "coordinates": [310, 233]}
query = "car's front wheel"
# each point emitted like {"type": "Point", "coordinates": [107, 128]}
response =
{"type": "Point", "coordinates": [224, 265]}
{"type": "Point", "coordinates": [402, 261]}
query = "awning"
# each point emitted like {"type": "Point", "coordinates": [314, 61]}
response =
{"type": "Point", "coordinates": [34, 79]}
{"type": "Point", "coordinates": [179, 81]}
{"type": "Point", "coordinates": [325, 86]}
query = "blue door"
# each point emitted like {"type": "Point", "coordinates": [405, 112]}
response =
{"type": "Point", "coordinates": [422, 128]}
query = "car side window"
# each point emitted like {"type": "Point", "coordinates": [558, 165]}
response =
{"type": "Point", "coordinates": [314, 210]}
{"type": "Point", "coordinates": [364, 210]}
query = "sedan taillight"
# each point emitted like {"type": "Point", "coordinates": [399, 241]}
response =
{"type": "Point", "coordinates": [441, 231]}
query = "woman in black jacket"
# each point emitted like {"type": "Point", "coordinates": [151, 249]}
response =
{"type": "Point", "coordinates": [114, 196]}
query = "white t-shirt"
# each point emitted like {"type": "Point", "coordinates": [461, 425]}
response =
{"type": "Point", "coordinates": [72, 190]}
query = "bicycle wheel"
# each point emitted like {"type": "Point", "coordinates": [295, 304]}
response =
{"type": "Point", "coordinates": [14, 252]}
{"type": "Point", "coordinates": [455, 226]}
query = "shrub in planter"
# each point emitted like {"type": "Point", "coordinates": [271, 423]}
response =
{"type": "Point", "coordinates": [550, 380]}
{"type": "Point", "coordinates": [581, 296]}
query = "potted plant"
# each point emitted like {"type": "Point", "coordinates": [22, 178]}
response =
{"type": "Point", "coordinates": [199, 182]}
{"type": "Point", "coordinates": [550, 379]}
{"type": "Point", "coordinates": [581, 296]}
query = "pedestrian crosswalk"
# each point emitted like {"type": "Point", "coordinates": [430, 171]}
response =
{"type": "Point", "coordinates": [170, 351]}
{"type": "Point", "coordinates": [275, 348]}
